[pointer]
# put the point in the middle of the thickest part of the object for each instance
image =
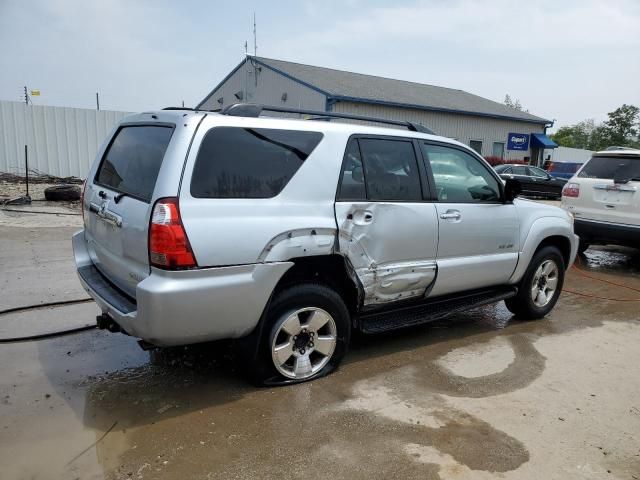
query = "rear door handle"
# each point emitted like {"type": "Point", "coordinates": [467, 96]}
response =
{"type": "Point", "coordinates": [451, 215]}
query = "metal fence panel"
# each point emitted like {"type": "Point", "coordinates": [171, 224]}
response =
{"type": "Point", "coordinates": [61, 141]}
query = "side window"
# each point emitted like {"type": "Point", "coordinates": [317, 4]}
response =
{"type": "Point", "coordinates": [507, 170]}
{"type": "Point", "coordinates": [460, 177]}
{"type": "Point", "coordinates": [536, 172]}
{"type": "Point", "coordinates": [238, 162]}
{"type": "Point", "coordinates": [520, 170]}
{"type": "Point", "coordinates": [390, 170]}
{"type": "Point", "coordinates": [352, 186]}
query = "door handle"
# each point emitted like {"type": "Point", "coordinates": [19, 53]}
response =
{"type": "Point", "coordinates": [361, 217]}
{"type": "Point", "coordinates": [451, 215]}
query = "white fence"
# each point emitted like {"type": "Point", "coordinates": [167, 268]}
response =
{"type": "Point", "coordinates": [61, 141]}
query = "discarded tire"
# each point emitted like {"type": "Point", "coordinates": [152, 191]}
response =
{"type": "Point", "coordinates": [62, 192]}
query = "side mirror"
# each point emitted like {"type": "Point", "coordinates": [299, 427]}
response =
{"type": "Point", "coordinates": [512, 189]}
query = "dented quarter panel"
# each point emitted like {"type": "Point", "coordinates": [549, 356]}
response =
{"type": "Point", "coordinates": [393, 254]}
{"type": "Point", "coordinates": [299, 243]}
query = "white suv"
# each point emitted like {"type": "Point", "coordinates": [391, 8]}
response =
{"type": "Point", "coordinates": [289, 234]}
{"type": "Point", "coordinates": [604, 198]}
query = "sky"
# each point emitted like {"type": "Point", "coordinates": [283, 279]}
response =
{"type": "Point", "coordinates": [564, 60]}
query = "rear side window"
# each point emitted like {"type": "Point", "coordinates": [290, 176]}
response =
{"type": "Point", "coordinates": [238, 162]}
{"type": "Point", "coordinates": [620, 168]}
{"type": "Point", "coordinates": [390, 170]}
{"type": "Point", "coordinates": [132, 161]}
{"type": "Point", "coordinates": [352, 186]}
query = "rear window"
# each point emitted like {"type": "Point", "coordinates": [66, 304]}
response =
{"type": "Point", "coordinates": [132, 161]}
{"type": "Point", "coordinates": [238, 162]}
{"type": "Point", "coordinates": [620, 168]}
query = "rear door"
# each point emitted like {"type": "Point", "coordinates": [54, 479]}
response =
{"type": "Point", "coordinates": [478, 233]}
{"type": "Point", "coordinates": [118, 199]}
{"type": "Point", "coordinates": [610, 189]}
{"type": "Point", "coordinates": [387, 224]}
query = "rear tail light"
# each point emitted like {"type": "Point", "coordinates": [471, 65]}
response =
{"type": "Point", "coordinates": [169, 246]}
{"type": "Point", "coordinates": [571, 190]}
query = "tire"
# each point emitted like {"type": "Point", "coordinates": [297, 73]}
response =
{"type": "Point", "coordinates": [548, 262]}
{"type": "Point", "coordinates": [290, 352]}
{"type": "Point", "coordinates": [62, 193]}
{"type": "Point", "coordinates": [582, 247]}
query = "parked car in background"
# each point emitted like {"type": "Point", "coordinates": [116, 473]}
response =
{"type": "Point", "coordinates": [289, 234]}
{"type": "Point", "coordinates": [534, 181]}
{"type": "Point", "coordinates": [564, 170]}
{"type": "Point", "coordinates": [604, 198]}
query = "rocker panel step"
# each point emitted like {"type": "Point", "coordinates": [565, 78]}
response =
{"type": "Point", "coordinates": [436, 309]}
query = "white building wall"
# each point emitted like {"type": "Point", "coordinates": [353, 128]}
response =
{"type": "Point", "coordinates": [463, 128]}
{"type": "Point", "coordinates": [61, 141]}
{"type": "Point", "coordinates": [267, 89]}
{"type": "Point", "coordinates": [570, 155]}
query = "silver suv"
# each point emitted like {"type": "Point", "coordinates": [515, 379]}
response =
{"type": "Point", "coordinates": [290, 234]}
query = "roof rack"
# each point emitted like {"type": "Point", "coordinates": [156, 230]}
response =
{"type": "Point", "coordinates": [255, 110]}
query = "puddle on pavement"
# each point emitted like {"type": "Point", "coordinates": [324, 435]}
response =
{"type": "Point", "coordinates": [611, 259]}
{"type": "Point", "coordinates": [184, 412]}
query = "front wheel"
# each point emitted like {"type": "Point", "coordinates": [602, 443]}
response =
{"type": "Point", "coordinates": [540, 287]}
{"type": "Point", "coordinates": [307, 335]}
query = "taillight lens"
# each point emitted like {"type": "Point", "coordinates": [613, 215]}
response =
{"type": "Point", "coordinates": [168, 243]}
{"type": "Point", "coordinates": [571, 190]}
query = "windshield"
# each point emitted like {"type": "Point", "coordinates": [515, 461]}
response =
{"type": "Point", "coordinates": [623, 168]}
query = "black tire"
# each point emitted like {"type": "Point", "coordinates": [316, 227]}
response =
{"type": "Point", "coordinates": [62, 193]}
{"type": "Point", "coordinates": [264, 372]}
{"type": "Point", "coordinates": [522, 305]}
{"type": "Point", "coordinates": [582, 247]}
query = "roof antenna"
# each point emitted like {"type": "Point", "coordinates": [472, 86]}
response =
{"type": "Point", "coordinates": [255, 37]}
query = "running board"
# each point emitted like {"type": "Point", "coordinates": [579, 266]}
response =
{"type": "Point", "coordinates": [430, 310]}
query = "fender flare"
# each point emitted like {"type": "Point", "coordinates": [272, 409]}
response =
{"type": "Point", "coordinates": [541, 229]}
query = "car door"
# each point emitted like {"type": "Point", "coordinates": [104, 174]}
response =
{"type": "Point", "coordinates": [543, 182]}
{"type": "Point", "coordinates": [388, 227]}
{"type": "Point", "coordinates": [478, 232]}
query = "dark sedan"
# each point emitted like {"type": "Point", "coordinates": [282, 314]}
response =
{"type": "Point", "coordinates": [534, 181]}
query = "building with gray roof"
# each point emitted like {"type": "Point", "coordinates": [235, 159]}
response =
{"type": "Point", "coordinates": [491, 128]}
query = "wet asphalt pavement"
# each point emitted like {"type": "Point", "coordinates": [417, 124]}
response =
{"type": "Point", "coordinates": [481, 395]}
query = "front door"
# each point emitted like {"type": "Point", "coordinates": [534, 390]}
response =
{"type": "Point", "coordinates": [478, 233]}
{"type": "Point", "coordinates": [388, 228]}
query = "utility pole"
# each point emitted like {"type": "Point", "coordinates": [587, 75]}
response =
{"type": "Point", "coordinates": [255, 36]}
{"type": "Point", "coordinates": [97, 101]}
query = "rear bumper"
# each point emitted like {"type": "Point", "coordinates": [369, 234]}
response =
{"type": "Point", "coordinates": [184, 307]}
{"type": "Point", "coordinates": [592, 231]}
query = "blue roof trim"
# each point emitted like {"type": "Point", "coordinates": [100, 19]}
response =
{"type": "Point", "coordinates": [435, 109]}
{"type": "Point", "coordinates": [540, 140]}
{"type": "Point", "coordinates": [221, 83]}
{"type": "Point", "coordinates": [290, 77]}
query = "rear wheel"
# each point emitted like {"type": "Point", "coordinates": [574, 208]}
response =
{"type": "Point", "coordinates": [306, 336]}
{"type": "Point", "coordinates": [541, 285]}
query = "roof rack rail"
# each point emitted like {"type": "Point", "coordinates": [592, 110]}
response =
{"type": "Point", "coordinates": [255, 110]}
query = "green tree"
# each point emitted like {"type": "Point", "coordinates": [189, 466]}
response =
{"type": "Point", "coordinates": [575, 136]}
{"type": "Point", "coordinates": [622, 126]}
{"type": "Point", "coordinates": [620, 129]}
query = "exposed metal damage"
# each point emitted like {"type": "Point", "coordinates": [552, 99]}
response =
{"type": "Point", "coordinates": [381, 282]}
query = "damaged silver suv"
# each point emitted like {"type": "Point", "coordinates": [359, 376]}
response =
{"type": "Point", "coordinates": [290, 234]}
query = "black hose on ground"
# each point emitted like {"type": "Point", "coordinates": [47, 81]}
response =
{"type": "Point", "coordinates": [42, 336]}
{"type": "Point", "coordinates": [39, 211]}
